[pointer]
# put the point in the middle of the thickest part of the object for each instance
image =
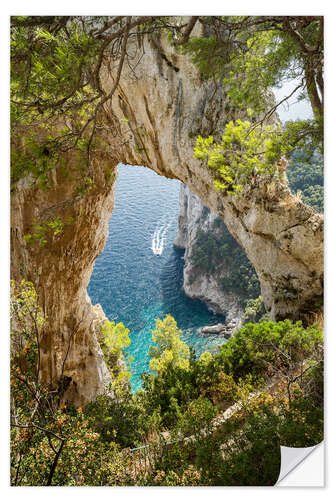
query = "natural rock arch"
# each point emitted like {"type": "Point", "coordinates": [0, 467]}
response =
{"type": "Point", "coordinates": [159, 109]}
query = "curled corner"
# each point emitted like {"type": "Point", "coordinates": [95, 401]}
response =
{"type": "Point", "coordinates": [291, 458]}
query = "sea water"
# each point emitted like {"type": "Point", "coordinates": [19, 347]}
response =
{"type": "Point", "coordinates": [139, 275]}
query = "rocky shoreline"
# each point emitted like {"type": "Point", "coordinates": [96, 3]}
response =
{"type": "Point", "coordinates": [194, 215]}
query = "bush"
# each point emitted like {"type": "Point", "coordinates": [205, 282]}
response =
{"type": "Point", "coordinates": [255, 311]}
{"type": "Point", "coordinates": [258, 348]}
{"type": "Point", "coordinates": [167, 348]}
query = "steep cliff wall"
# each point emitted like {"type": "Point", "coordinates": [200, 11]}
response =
{"type": "Point", "coordinates": [61, 271]}
{"type": "Point", "coordinates": [204, 283]}
{"type": "Point", "coordinates": [155, 117]}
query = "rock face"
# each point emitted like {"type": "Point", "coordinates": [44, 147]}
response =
{"type": "Point", "coordinates": [61, 271]}
{"type": "Point", "coordinates": [154, 119]}
{"type": "Point", "coordinates": [220, 329]}
{"type": "Point", "coordinates": [198, 284]}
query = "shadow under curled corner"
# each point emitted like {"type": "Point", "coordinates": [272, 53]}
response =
{"type": "Point", "coordinates": [291, 458]}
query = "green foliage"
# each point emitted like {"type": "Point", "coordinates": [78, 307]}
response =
{"type": "Point", "coordinates": [254, 349]}
{"type": "Point", "coordinates": [197, 417]}
{"type": "Point", "coordinates": [184, 401]}
{"type": "Point", "coordinates": [307, 177]}
{"type": "Point", "coordinates": [245, 449]}
{"type": "Point", "coordinates": [314, 196]}
{"type": "Point", "coordinates": [217, 252]}
{"type": "Point", "coordinates": [239, 152]}
{"type": "Point", "coordinates": [51, 69]}
{"type": "Point", "coordinates": [301, 423]}
{"type": "Point", "coordinates": [252, 55]}
{"type": "Point", "coordinates": [207, 54]}
{"type": "Point", "coordinates": [53, 78]}
{"type": "Point", "coordinates": [24, 305]}
{"type": "Point", "coordinates": [249, 62]}
{"type": "Point", "coordinates": [26, 322]}
{"type": "Point", "coordinates": [206, 358]}
{"type": "Point", "coordinates": [43, 230]}
{"type": "Point", "coordinates": [207, 252]}
{"type": "Point", "coordinates": [85, 460]}
{"type": "Point", "coordinates": [50, 444]}
{"type": "Point", "coordinates": [49, 81]}
{"type": "Point", "coordinates": [122, 419]}
{"type": "Point", "coordinates": [255, 311]}
{"type": "Point", "coordinates": [115, 338]}
{"type": "Point", "coordinates": [264, 63]}
{"type": "Point", "coordinates": [250, 449]}
{"type": "Point", "coordinates": [169, 392]}
{"type": "Point", "coordinates": [34, 158]}
{"type": "Point", "coordinates": [168, 348]}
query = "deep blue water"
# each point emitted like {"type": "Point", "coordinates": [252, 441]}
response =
{"type": "Point", "coordinates": [135, 285]}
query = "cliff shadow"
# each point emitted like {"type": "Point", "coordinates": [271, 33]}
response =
{"type": "Point", "coordinates": [189, 313]}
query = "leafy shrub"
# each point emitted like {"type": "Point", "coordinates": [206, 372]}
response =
{"type": "Point", "coordinates": [115, 338]}
{"type": "Point", "coordinates": [59, 445]}
{"type": "Point", "coordinates": [255, 311]}
{"type": "Point", "coordinates": [168, 348]}
{"type": "Point", "coordinates": [256, 346]}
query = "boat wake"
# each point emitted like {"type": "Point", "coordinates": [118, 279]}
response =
{"type": "Point", "coordinates": [159, 237]}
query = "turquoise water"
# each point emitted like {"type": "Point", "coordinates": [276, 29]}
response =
{"type": "Point", "coordinates": [135, 285]}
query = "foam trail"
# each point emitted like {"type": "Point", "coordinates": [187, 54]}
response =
{"type": "Point", "coordinates": [163, 237]}
{"type": "Point", "coordinates": [156, 240]}
{"type": "Point", "coordinates": [159, 237]}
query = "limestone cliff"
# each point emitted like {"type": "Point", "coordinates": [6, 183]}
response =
{"type": "Point", "coordinates": [61, 270]}
{"type": "Point", "coordinates": [199, 283]}
{"type": "Point", "coordinates": [153, 121]}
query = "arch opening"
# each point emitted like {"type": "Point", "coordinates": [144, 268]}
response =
{"type": "Point", "coordinates": [139, 275]}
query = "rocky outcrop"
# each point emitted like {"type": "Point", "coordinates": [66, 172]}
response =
{"type": "Point", "coordinates": [198, 284]}
{"type": "Point", "coordinates": [61, 270]}
{"type": "Point", "coordinates": [220, 329]}
{"type": "Point", "coordinates": [153, 121]}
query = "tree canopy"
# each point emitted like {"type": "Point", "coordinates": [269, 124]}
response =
{"type": "Point", "coordinates": [168, 348]}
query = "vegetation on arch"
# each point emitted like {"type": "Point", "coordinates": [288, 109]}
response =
{"type": "Point", "coordinates": [56, 65]}
{"type": "Point", "coordinates": [114, 340]}
{"type": "Point", "coordinates": [241, 155]}
{"type": "Point", "coordinates": [58, 102]}
{"type": "Point", "coordinates": [250, 55]}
